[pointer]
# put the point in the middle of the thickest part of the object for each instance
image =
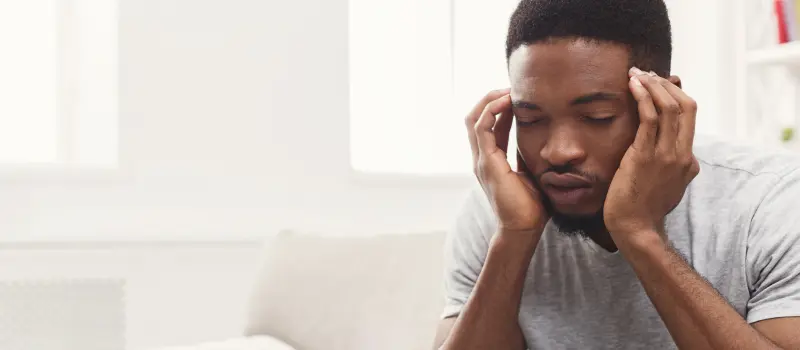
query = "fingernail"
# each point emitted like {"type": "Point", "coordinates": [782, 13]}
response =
{"type": "Point", "coordinates": [635, 71]}
{"type": "Point", "coordinates": [636, 81]}
{"type": "Point", "coordinates": [653, 74]}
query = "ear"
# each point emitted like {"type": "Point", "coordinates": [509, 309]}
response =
{"type": "Point", "coordinates": [675, 80]}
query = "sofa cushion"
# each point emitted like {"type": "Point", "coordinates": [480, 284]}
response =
{"type": "Point", "coordinates": [350, 293]}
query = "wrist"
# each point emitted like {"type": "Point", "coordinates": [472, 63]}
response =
{"type": "Point", "coordinates": [640, 241]}
{"type": "Point", "coordinates": [516, 240]}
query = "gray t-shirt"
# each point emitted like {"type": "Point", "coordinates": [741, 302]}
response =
{"type": "Point", "coordinates": [738, 225]}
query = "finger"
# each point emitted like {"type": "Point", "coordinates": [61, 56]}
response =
{"type": "Point", "coordinates": [475, 113]}
{"type": "Point", "coordinates": [669, 112]}
{"type": "Point", "coordinates": [647, 133]}
{"type": "Point", "coordinates": [487, 142]}
{"type": "Point", "coordinates": [687, 120]}
{"type": "Point", "coordinates": [502, 129]}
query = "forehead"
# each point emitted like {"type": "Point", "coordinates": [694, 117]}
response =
{"type": "Point", "coordinates": [565, 68]}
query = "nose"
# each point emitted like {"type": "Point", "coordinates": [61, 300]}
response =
{"type": "Point", "coordinates": [562, 148]}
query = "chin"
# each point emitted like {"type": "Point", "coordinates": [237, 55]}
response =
{"type": "Point", "coordinates": [580, 219]}
{"type": "Point", "coordinates": [579, 224]}
{"type": "Point", "coordinates": [579, 210]}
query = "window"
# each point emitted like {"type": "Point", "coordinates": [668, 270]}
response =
{"type": "Point", "coordinates": [58, 94]}
{"type": "Point", "coordinates": [416, 68]}
{"type": "Point", "coordinates": [400, 85]}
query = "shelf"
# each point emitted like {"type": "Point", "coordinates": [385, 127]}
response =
{"type": "Point", "coordinates": [784, 54]}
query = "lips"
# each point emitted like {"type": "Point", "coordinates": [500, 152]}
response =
{"type": "Point", "coordinates": [566, 189]}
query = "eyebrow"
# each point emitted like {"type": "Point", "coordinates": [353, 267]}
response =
{"type": "Point", "coordinates": [582, 100]}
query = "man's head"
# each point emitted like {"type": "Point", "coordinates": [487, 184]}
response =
{"type": "Point", "coordinates": [568, 63]}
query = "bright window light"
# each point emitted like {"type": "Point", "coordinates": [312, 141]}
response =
{"type": "Point", "coordinates": [58, 94]}
{"type": "Point", "coordinates": [402, 118]}
{"type": "Point", "coordinates": [416, 69]}
{"type": "Point", "coordinates": [480, 60]}
{"type": "Point", "coordinates": [29, 88]}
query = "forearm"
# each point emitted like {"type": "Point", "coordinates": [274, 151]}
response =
{"type": "Point", "coordinates": [490, 317]}
{"type": "Point", "coordinates": [693, 311]}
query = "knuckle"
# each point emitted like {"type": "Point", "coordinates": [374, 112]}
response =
{"type": "Point", "coordinates": [486, 110]}
{"type": "Point", "coordinates": [645, 98]}
{"type": "Point", "coordinates": [672, 108]}
{"type": "Point", "coordinates": [470, 121]}
{"type": "Point", "coordinates": [477, 127]}
{"type": "Point", "coordinates": [692, 105]}
{"type": "Point", "coordinates": [491, 96]}
{"type": "Point", "coordinates": [489, 106]}
{"type": "Point", "coordinates": [694, 168]}
{"type": "Point", "coordinates": [648, 118]}
{"type": "Point", "coordinates": [669, 158]}
{"type": "Point", "coordinates": [493, 93]}
{"type": "Point", "coordinates": [686, 162]}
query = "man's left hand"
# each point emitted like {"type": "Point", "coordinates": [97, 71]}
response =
{"type": "Point", "coordinates": [657, 167]}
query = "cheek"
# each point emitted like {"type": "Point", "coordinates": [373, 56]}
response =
{"type": "Point", "coordinates": [624, 132]}
{"type": "Point", "coordinates": [616, 143]}
{"type": "Point", "coordinates": [530, 142]}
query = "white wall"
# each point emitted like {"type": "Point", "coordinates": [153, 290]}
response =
{"type": "Point", "coordinates": [175, 294]}
{"type": "Point", "coordinates": [703, 56]}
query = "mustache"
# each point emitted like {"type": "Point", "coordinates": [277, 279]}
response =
{"type": "Point", "coordinates": [558, 169]}
{"type": "Point", "coordinates": [568, 169]}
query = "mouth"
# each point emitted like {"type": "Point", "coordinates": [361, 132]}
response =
{"type": "Point", "coordinates": [566, 189]}
{"type": "Point", "coordinates": [567, 196]}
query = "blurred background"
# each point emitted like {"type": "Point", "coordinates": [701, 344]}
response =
{"type": "Point", "coordinates": [149, 148]}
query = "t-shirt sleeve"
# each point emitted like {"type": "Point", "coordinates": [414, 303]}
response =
{"type": "Point", "coordinates": [773, 253]}
{"type": "Point", "coordinates": [466, 247]}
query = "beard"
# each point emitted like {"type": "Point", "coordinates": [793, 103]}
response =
{"type": "Point", "coordinates": [582, 225]}
{"type": "Point", "coordinates": [575, 225]}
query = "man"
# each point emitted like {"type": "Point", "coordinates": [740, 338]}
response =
{"type": "Point", "coordinates": [618, 231]}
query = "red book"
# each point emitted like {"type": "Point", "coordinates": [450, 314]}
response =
{"type": "Point", "coordinates": [783, 31]}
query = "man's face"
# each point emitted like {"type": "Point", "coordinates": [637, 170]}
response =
{"type": "Point", "coordinates": [575, 120]}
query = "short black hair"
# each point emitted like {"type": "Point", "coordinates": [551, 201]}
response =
{"type": "Point", "coordinates": [641, 25]}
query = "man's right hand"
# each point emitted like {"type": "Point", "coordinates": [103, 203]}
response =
{"type": "Point", "coordinates": [489, 318]}
{"type": "Point", "coordinates": [515, 200]}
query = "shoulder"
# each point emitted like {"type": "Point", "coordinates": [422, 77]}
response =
{"type": "Point", "coordinates": [740, 189]}
{"type": "Point", "coordinates": [475, 217]}
{"type": "Point", "coordinates": [739, 175]}
{"type": "Point", "coordinates": [761, 184]}
{"type": "Point", "coordinates": [724, 158]}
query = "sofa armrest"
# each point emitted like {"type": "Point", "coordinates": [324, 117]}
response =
{"type": "Point", "coordinates": [244, 343]}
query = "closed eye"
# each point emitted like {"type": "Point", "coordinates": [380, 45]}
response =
{"type": "Point", "coordinates": [599, 120]}
{"type": "Point", "coordinates": [529, 122]}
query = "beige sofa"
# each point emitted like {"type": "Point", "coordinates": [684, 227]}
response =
{"type": "Point", "coordinates": [350, 293]}
{"type": "Point", "coordinates": [380, 292]}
